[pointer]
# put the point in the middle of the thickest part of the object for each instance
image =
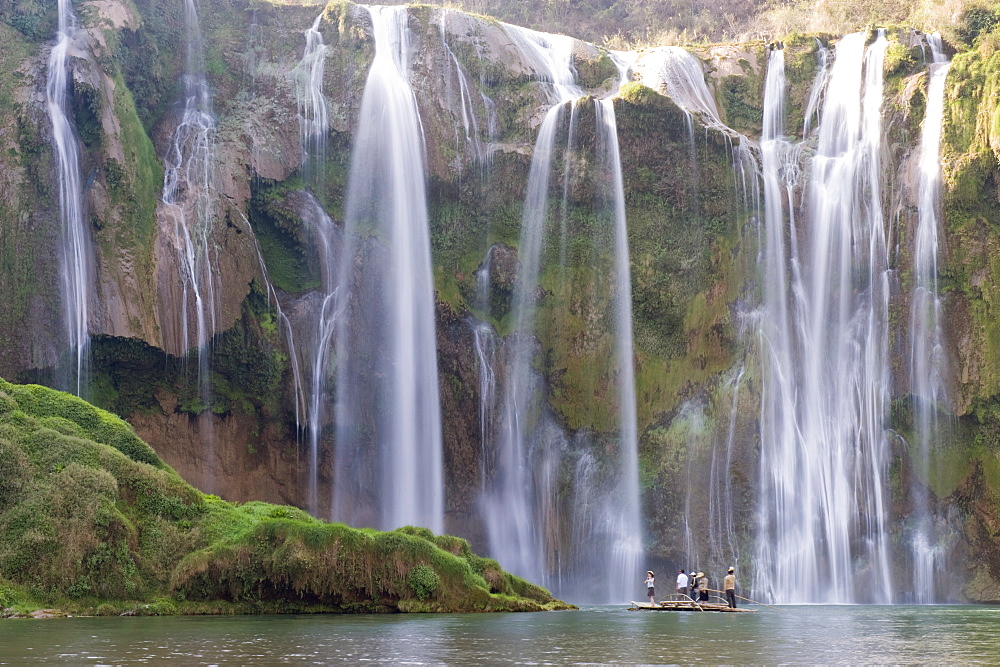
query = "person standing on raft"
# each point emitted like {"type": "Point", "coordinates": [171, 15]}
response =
{"type": "Point", "coordinates": [682, 583]}
{"type": "Point", "coordinates": [702, 587]}
{"type": "Point", "coordinates": [649, 587]}
{"type": "Point", "coordinates": [729, 586]}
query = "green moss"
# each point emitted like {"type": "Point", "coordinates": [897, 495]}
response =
{"type": "Point", "coordinates": [742, 100]}
{"type": "Point", "coordinates": [282, 237]}
{"type": "Point", "coordinates": [970, 158]}
{"type": "Point", "coordinates": [595, 72]}
{"type": "Point", "coordinates": [40, 402]}
{"type": "Point", "coordinates": [139, 188]}
{"type": "Point", "coordinates": [86, 527]}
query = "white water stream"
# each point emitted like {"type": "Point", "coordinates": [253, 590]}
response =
{"type": "Point", "coordinates": [188, 201]}
{"type": "Point", "coordinates": [386, 350]}
{"type": "Point", "coordinates": [518, 524]}
{"type": "Point", "coordinates": [313, 111]}
{"type": "Point", "coordinates": [928, 362]}
{"type": "Point", "coordinates": [582, 534]}
{"type": "Point", "coordinates": [822, 534]}
{"type": "Point", "coordinates": [75, 253]}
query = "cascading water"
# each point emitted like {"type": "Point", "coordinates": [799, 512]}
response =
{"type": "Point", "coordinates": [554, 512]}
{"type": "Point", "coordinates": [388, 468]}
{"type": "Point", "coordinates": [313, 113]}
{"type": "Point", "coordinates": [314, 116]}
{"type": "Point", "coordinates": [514, 506]}
{"type": "Point", "coordinates": [723, 541]}
{"type": "Point", "coordinates": [681, 76]}
{"type": "Point", "coordinates": [327, 242]}
{"type": "Point", "coordinates": [188, 203]}
{"type": "Point", "coordinates": [75, 254]}
{"type": "Point", "coordinates": [471, 141]}
{"type": "Point", "coordinates": [821, 519]}
{"type": "Point", "coordinates": [624, 525]}
{"type": "Point", "coordinates": [927, 357]}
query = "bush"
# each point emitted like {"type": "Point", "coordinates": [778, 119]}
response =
{"type": "Point", "coordinates": [423, 581]}
{"type": "Point", "coordinates": [106, 609]}
{"type": "Point", "coordinates": [9, 596]}
{"type": "Point", "coordinates": [976, 21]}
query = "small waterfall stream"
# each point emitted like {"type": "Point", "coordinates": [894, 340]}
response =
{"type": "Point", "coordinates": [189, 207]}
{"type": "Point", "coordinates": [75, 252]}
{"type": "Point", "coordinates": [313, 111]}
{"type": "Point", "coordinates": [471, 140]}
{"type": "Point", "coordinates": [927, 356]}
{"type": "Point", "coordinates": [386, 352]}
{"type": "Point", "coordinates": [314, 119]}
{"type": "Point", "coordinates": [327, 242]}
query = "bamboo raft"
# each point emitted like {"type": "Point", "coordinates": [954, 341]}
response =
{"type": "Point", "coordinates": [682, 605]}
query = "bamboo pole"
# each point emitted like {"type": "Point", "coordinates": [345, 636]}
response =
{"type": "Point", "coordinates": [743, 598]}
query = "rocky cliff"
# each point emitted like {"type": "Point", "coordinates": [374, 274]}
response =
{"type": "Point", "coordinates": [693, 237]}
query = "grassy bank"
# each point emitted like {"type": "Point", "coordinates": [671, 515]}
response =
{"type": "Point", "coordinates": [92, 522]}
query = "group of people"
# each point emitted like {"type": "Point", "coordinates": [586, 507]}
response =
{"type": "Point", "coordinates": [695, 586]}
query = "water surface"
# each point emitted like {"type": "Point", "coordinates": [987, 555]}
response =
{"type": "Point", "coordinates": [790, 634]}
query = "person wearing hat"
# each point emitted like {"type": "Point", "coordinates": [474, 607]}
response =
{"type": "Point", "coordinates": [730, 587]}
{"type": "Point", "coordinates": [702, 587]}
{"type": "Point", "coordinates": [694, 586]}
{"type": "Point", "coordinates": [682, 583]}
{"type": "Point", "coordinates": [649, 587]}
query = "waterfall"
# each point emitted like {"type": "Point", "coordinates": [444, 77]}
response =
{"type": "Point", "coordinates": [927, 354]}
{"type": "Point", "coordinates": [388, 467]}
{"type": "Point", "coordinates": [328, 243]}
{"type": "Point", "coordinates": [75, 253]}
{"type": "Point", "coordinates": [723, 541]}
{"type": "Point", "coordinates": [485, 340]}
{"type": "Point", "coordinates": [625, 525]}
{"type": "Point", "coordinates": [312, 107]}
{"type": "Point", "coordinates": [822, 534]}
{"type": "Point", "coordinates": [516, 523]}
{"type": "Point", "coordinates": [555, 511]}
{"type": "Point", "coordinates": [470, 138]}
{"type": "Point", "coordinates": [313, 114]}
{"type": "Point", "coordinates": [188, 203]}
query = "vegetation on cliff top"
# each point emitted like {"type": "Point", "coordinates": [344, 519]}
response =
{"type": "Point", "coordinates": [91, 520]}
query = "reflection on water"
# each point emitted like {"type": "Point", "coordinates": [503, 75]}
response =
{"type": "Point", "coordinates": [813, 634]}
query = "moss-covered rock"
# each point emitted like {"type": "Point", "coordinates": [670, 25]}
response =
{"type": "Point", "coordinates": [91, 519]}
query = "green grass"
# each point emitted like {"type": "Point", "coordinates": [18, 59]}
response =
{"type": "Point", "coordinates": [92, 521]}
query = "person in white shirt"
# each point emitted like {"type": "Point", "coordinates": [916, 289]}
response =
{"type": "Point", "coordinates": [682, 583]}
{"type": "Point", "coordinates": [649, 587]}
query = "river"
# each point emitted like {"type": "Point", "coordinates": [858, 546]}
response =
{"type": "Point", "coordinates": [799, 634]}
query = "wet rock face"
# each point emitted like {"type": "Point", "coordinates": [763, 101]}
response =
{"type": "Point", "coordinates": [480, 105]}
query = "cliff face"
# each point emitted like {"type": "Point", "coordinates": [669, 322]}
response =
{"type": "Point", "coordinates": [693, 241]}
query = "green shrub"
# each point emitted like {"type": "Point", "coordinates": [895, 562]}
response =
{"type": "Point", "coordinates": [976, 21]}
{"type": "Point", "coordinates": [423, 581]}
{"type": "Point", "coordinates": [161, 607]}
{"type": "Point", "coordinates": [9, 595]}
{"type": "Point", "coordinates": [106, 609]}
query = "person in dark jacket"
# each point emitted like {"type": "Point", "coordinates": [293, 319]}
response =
{"type": "Point", "coordinates": [694, 586]}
